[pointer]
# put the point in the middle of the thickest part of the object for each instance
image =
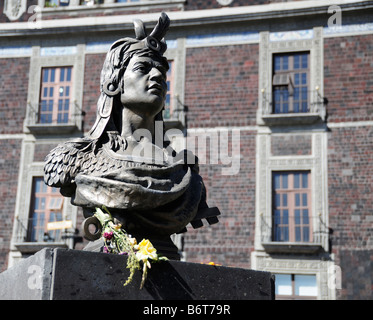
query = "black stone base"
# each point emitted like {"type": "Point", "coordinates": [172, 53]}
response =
{"type": "Point", "coordinates": [55, 274]}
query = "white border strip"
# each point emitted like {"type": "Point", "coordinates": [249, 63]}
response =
{"type": "Point", "coordinates": [350, 124]}
{"type": "Point", "coordinates": [348, 30]}
{"type": "Point", "coordinates": [16, 51]}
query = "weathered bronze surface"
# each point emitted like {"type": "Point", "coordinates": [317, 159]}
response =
{"type": "Point", "coordinates": [124, 163]}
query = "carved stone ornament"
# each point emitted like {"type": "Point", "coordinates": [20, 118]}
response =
{"type": "Point", "coordinates": [123, 163]}
{"type": "Point", "coordinates": [14, 9]}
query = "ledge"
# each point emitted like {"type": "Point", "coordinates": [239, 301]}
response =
{"type": "Point", "coordinates": [52, 128]}
{"type": "Point", "coordinates": [291, 118]}
{"type": "Point", "coordinates": [291, 247]}
{"type": "Point", "coordinates": [32, 247]}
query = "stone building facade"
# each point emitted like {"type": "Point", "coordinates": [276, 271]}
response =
{"type": "Point", "coordinates": [280, 93]}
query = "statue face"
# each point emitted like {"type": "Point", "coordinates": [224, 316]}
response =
{"type": "Point", "coordinates": [144, 85]}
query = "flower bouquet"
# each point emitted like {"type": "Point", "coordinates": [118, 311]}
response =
{"type": "Point", "coordinates": [117, 241]}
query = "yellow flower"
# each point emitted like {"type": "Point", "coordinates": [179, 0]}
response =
{"type": "Point", "coordinates": [117, 226]}
{"type": "Point", "coordinates": [145, 251]}
{"type": "Point", "coordinates": [211, 263]}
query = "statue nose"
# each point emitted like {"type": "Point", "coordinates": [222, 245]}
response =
{"type": "Point", "coordinates": [155, 74]}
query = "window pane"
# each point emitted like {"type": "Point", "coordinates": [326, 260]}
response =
{"type": "Point", "coordinates": [305, 216]}
{"type": "Point", "coordinates": [277, 217]}
{"type": "Point", "coordinates": [296, 107]}
{"type": "Point", "coordinates": [305, 285]}
{"type": "Point", "coordinates": [45, 75]}
{"type": "Point", "coordinates": [285, 62]}
{"type": "Point", "coordinates": [284, 200]}
{"type": "Point", "coordinates": [297, 234]}
{"type": "Point", "coordinates": [277, 63]}
{"type": "Point", "coordinates": [53, 71]}
{"type": "Point", "coordinates": [297, 216]}
{"type": "Point", "coordinates": [296, 61]}
{"type": "Point", "coordinates": [304, 107]}
{"type": "Point", "coordinates": [277, 180]}
{"type": "Point", "coordinates": [304, 60]}
{"type": "Point", "coordinates": [68, 77]}
{"type": "Point", "coordinates": [283, 284]}
{"type": "Point", "coordinates": [62, 75]}
{"type": "Point", "coordinates": [284, 181]}
{"type": "Point", "coordinates": [285, 237]}
{"type": "Point", "coordinates": [296, 79]}
{"type": "Point", "coordinates": [296, 180]}
{"type": "Point", "coordinates": [304, 199]}
{"type": "Point", "coordinates": [285, 217]}
{"type": "Point", "coordinates": [304, 78]}
{"type": "Point", "coordinates": [305, 180]}
{"type": "Point", "coordinates": [297, 199]}
{"type": "Point", "coordinates": [278, 200]}
{"type": "Point", "coordinates": [306, 233]}
{"type": "Point", "coordinates": [304, 93]}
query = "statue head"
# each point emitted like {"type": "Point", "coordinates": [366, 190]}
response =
{"type": "Point", "coordinates": [133, 76]}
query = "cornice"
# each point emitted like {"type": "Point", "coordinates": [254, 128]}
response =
{"type": "Point", "coordinates": [181, 18]}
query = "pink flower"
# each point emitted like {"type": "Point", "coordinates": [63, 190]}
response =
{"type": "Point", "coordinates": [108, 235]}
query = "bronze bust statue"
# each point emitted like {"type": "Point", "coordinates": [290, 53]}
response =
{"type": "Point", "coordinates": [119, 163]}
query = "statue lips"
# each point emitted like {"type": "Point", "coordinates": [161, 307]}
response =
{"type": "Point", "coordinates": [156, 88]}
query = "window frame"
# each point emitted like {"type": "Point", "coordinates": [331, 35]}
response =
{"type": "Point", "coordinates": [51, 57]}
{"type": "Point", "coordinates": [313, 44]}
{"type": "Point", "coordinates": [29, 169]}
{"type": "Point", "coordinates": [291, 85]}
{"type": "Point", "coordinates": [291, 193]}
{"type": "Point", "coordinates": [293, 295]}
{"type": "Point", "coordinates": [47, 194]}
{"type": "Point", "coordinates": [55, 98]}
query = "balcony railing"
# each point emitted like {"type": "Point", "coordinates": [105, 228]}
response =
{"type": "Point", "coordinates": [314, 111]}
{"type": "Point", "coordinates": [31, 238]}
{"type": "Point", "coordinates": [42, 122]}
{"type": "Point", "coordinates": [282, 236]}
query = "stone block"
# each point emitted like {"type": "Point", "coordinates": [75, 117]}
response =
{"type": "Point", "coordinates": [62, 274]}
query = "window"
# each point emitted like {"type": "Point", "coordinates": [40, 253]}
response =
{"type": "Point", "coordinates": [55, 95]}
{"type": "Point", "coordinates": [46, 206]}
{"type": "Point", "coordinates": [91, 2]}
{"type": "Point", "coordinates": [170, 91]}
{"type": "Point", "coordinates": [291, 83]}
{"type": "Point", "coordinates": [57, 3]}
{"type": "Point", "coordinates": [124, 1]}
{"type": "Point", "coordinates": [295, 287]}
{"type": "Point", "coordinates": [292, 207]}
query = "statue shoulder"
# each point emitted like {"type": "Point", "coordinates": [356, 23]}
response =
{"type": "Point", "coordinates": [64, 162]}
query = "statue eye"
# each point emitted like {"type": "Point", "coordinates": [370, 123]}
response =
{"type": "Point", "coordinates": [141, 67]}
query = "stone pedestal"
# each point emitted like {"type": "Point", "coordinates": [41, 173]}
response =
{"type": "Point", "coordinates": [54, 274]}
